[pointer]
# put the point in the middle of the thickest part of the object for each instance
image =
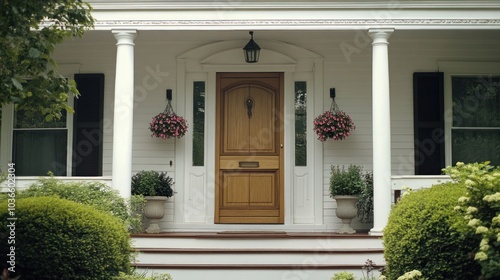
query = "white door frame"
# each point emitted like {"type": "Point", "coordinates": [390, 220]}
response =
{"type": "Point", "coordinates": [194, 202]}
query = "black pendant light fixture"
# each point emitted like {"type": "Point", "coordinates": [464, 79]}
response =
{"type": "Point", "coordinates": [251, 50]}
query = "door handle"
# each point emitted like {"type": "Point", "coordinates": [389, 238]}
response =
{"type": "Point", "coordinates": [249, 164]}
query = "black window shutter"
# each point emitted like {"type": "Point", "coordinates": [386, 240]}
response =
{"type": "Point", "coordinates": [88, 130]}
{"type": "Point", "coordinates": [428, 112]}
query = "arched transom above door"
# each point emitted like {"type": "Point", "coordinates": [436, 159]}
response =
{"type": "Point", "coordinates": [275, 56]}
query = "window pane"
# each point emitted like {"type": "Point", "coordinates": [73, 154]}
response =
{"type": "Point", "coordinates": [476, 101]}
{"type": "Point", "coordinates": [198, 123]}
{"type": "Point", "coordinates": [37, 152]}
{"type": "Point", "coordinates": [23, 120]}
{"type": "Point", "coordinates": [476, 145]}
{"type": "Point", "coordinates": [300, 124]}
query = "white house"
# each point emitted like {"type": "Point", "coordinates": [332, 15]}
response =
{"type": "Point", "coordinates": [420, 79]}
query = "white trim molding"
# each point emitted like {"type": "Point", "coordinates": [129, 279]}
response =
{"type": "Point", "coordinates": [197, 193]}
{"type": "Point", "coordinates": [303, 24]}
{"type": "Point", "coordinates": [295, 15]}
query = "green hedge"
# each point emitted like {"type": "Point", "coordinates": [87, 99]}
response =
{"type": "Point", "coordinates": [96, 194]}
{"type": "Point", "coordinates": [61, 239]}
{"type": "Point", "coordinates": [425, 233]}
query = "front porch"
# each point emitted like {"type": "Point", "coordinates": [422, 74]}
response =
{"type": "Point", "coordinates": [136, 52]}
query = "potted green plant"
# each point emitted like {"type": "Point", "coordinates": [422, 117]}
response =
{"type": "Point", "coordinates": [345, 187]}
{"type": "Point", "coordinates": [156, 187]}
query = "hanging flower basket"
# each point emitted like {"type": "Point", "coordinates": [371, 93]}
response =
{"type": "Point", "coordinates": [168, 125]}
{"type": "Point", "coordinates": [334, 124]}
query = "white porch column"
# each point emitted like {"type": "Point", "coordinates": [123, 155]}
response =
{"type": "Point", "coordinates": [381, 129]}
{"type": "Point", "coordinates": [123, 111]}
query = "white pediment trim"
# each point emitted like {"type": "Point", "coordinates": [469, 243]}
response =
{"type": "Point", "coordinates": [249, 68]}
{"type": "Point", "coordinates": [228, 56]}
{"type": "Point", "coordinates": [235, 56]}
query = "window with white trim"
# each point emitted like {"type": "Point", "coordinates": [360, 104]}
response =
{"type": "Point", "coordinates": [70, 146]}
{"type": "Point", "coordinates": [475, 126]}
{"type": "Point", "coordinates": [198, 123]}
{"type": "Point", "coordinates": [300, 123]}
{"type": "Point", "coordinates": [39, 146]}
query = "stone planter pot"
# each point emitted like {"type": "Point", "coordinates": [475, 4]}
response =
{"type": "Point", "coordinates": [346, 211]}
{"type": "Point", "coordinates": [154, 210]}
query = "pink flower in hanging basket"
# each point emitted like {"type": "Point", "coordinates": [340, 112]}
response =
{"type": "Point", "coordinates": [166, 126]}
{"type": "Point", "coordinates": [333, 125]}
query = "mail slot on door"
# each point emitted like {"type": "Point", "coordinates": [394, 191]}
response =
{"type": "Point", "coordinates": [253, 162]}
{"type": "Point", "coordinates": [249, 164]}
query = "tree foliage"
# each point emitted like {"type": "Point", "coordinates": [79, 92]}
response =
{"type": "Point", "coordinates": [480, 207]}
{"type": "Point", "coordinates": [29, 33]}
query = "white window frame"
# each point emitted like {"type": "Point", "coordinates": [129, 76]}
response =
{"type": "Point", "coordinates": [7, 127]}
{"type": "Point", "coordinates": [451, 69]}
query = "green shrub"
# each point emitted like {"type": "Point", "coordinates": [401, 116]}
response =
{"type": "Point", "coordinates": [152, 183]}
{"type": "Point", "coordinates": [412, 275]}
{"type": "Point", "coordinates": [61, 239]}
{"type": "Point", "coordinates": [425, 233]}
{"type": "Point", "coordinates": [95, 194]}
{"type": "Point", "coordinates": [135, 222]}
{"type": "Point", "coordinates": [480, 207]}
{"type": "Point", "coordinates": [346, 182]}
{"type": "Point", "coordinates": [344, 275]}
{"type": "Point", "coordinates": [365, 201]}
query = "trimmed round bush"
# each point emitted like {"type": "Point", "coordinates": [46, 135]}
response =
{"type": "Point", "coordinates": [425, 233]}
{"type": "Point", "coordinates": [96, 194]}
{"type": "Point", "coordinates": [60, 239]}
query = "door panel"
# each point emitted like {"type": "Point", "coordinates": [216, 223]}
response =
{"type": "Point", "coordinates": [262, 138]}
{"type": "Point", "coordinates": [237, 140]}
{"type": "Point", "coordinates": [236, 189]}
{"type": "Point", "coordinates": [263, 189]}
{"type": "Point", "coordinates": [249, 160]}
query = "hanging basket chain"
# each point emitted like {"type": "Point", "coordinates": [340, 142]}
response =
{"type": "Point", "coordinates": [334, 108]}
{"type": "Point", "coordinates": [168, 109]}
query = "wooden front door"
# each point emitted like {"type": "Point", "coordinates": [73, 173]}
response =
{"type": "Point", "coordinates": [249, 148]}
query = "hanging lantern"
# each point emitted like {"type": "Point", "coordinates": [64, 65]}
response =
{"type": "Point", "coordinates": [251, 50]}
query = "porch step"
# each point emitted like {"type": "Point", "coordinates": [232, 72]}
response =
{"type": "Point", "coordinates": [255, 255]}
